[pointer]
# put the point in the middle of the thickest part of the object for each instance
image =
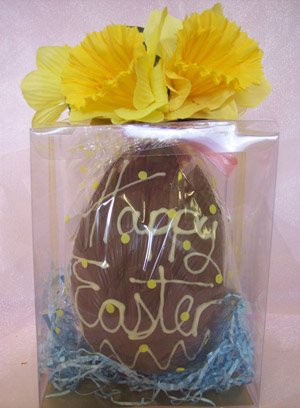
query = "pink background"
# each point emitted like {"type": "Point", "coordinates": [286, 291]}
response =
{"type": "Point", "coordinates": [26, 25]}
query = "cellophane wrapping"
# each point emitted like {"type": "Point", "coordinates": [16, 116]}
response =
{"type": "Point", "coordinates": [151, 259]}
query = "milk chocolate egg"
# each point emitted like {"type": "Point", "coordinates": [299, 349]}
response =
{"type": "Point", "coordinates": [148, 262]}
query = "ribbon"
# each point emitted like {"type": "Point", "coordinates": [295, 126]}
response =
{"type": "Point", "coordinates": [224, 162]}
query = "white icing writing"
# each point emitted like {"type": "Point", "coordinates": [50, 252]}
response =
{"type": "Point", "coordinates": [87, 284]}
{"type": "Point", "coordinates": [151, 231]}
{"type": "Point", "coordinates": [136, 333]}
{"type": "Point", "coordinates": [112, 196]}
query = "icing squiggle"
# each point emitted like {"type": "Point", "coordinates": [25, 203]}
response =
{"type": "Point", "coordinates": [180, 343]}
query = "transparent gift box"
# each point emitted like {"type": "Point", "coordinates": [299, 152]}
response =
{"type": "Point", "coordinates": [151, 259]}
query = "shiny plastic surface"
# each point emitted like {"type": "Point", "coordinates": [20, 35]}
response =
{"type": "Point", "coordinates": [142, 233]}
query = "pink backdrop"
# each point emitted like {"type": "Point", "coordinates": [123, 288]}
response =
{"type": "Point", "coordinates": [26, 25]}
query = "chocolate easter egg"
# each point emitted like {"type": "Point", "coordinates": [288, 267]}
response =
{"type": "Point", "coordinates": [148, 260]}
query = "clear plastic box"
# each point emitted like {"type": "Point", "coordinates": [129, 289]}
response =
{"type": "Point", "coordinates": [151, 259]}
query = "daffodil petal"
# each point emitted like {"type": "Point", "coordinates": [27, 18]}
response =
{"type": "Point", "coordinates": [182, 87]}
{"type": "Point", "coordinates": [212, 100]}
{"type": "Point", "coordinates": [154, 37]}
{"type": "Point", "coordinates": [184, 112]}
{"type": "Point", "coordinates": [53, 59]}
{"type": "Point", "coordinates": [143, 95]}
{"type": "Point", "coordinates": [169, 31]}
{"type": "Point", "coordinates": [158, 85]}
{"type": "Point", "coordinates": [116, 120]}
{"type": "Point", "coordinates": [254, 95]}
{"type": "Point", "coordinates": [49, 115]}
{"type": "Point", "coordinates": [206, 102]}
{"type": "Point", "coordinates": [79, 116]}
{"type": "Point", "coordinates": [154, 117]}
{"type": "Point", "coordinates": [228, 111]}
{"type": "Point", "coordinates": [131, 114]}
{"type": "Point", "coordinates": [41, 88]}
{"type": "Point", "coordinates": [217, 9]}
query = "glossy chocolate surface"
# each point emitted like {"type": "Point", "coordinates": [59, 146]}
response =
{"type": "Point", "coordinates": [148, 260]}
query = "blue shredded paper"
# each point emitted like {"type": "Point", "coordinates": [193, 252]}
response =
{"type": "Point", "coordinates": [71, 361]}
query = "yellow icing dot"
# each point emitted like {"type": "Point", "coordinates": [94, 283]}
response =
{"type": "Point", "coordinates": [71, 238]}
{"type": "Point", "coordinates": [96, 184]}
{"type": "Point", "coordinates": [81, 147]}
{"type": "Point", "coordinates": [82, 169]}
{"type": "Point", "coordinates": [172, 213]}
{"type": "Point", "coordinates": [179, 176]}
{"type": "Point", "coordinates": [212, 209]}
{"type": "Point", "coordinates": [186, 245]}
{"type": "Point", "coordinates": [219, 278]}
{"type": "Point", "coordinates": [142, 175]}
{"type": "Point", "coordinates": [151, 284]}
{"type": "Point", "coordinates": [125, 238]}
{"type": "Point", "coordinates": [230, 274]}
{"type": "Point", "coordinates": [185, 316]}
{"type": "Point", "coordinates": [59, 312]}
{"type": "Point", "coordinates": [67, 218]}
{"type": "Point", "coordinates": [179, 369]}
{"type": "Point", "coordinates": [89, 154]}
{"type": "Point", "coordinates": [57, 330]}
{"type": "Point", "coordinates": [110, 308]}
{"type": "Point", "coordinates": [39, 332]}
{"type": "Point", "coordinates": [143, 348]}
{"type": "Point", "coordinates": [213, 180]}
{"type": "Point", "coordinates": [84, 263]}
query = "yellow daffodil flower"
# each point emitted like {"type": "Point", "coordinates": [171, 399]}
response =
{"type": "Point", "coordinates": [113, 75]}
{"type": "Point", "coordinates": [215, 71]}
{"type": "Point", "coordinates": [203, 67]}
{"type": "Point", "coordinates": [42, 88]}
